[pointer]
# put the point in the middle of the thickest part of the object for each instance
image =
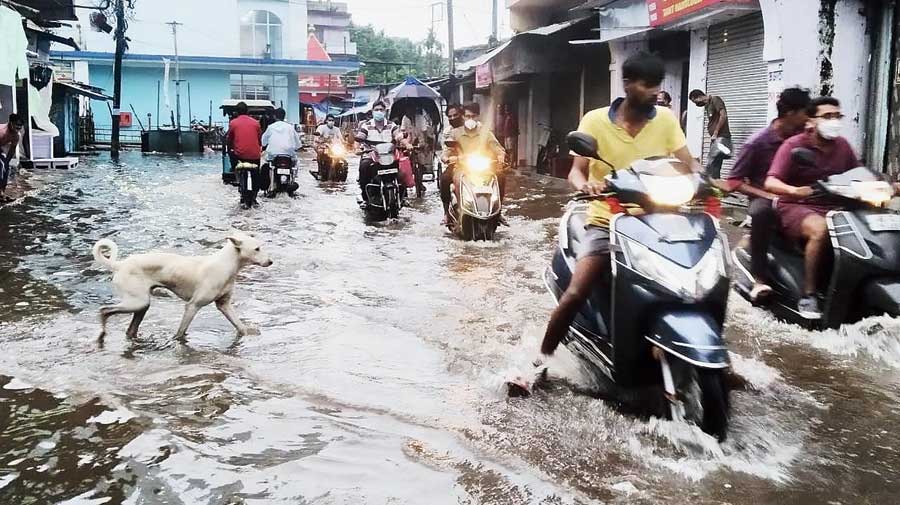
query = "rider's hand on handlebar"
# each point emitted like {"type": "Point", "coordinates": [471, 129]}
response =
{"type": "Point", "coordinates": [594, 188]}
{"type": "Point", "coordinates": [802, 192]}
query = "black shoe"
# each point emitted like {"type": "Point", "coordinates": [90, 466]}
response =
{"type": "Point", "coordinates": [244, 206]}
{"type": "Point", "coordinates": [255, 205]}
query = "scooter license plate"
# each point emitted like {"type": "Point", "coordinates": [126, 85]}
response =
{"type": "Point", "coordinates": [483, 190]}
{"type": "Point", "coordinates": [388, 171]}
{"type": "Point", "coordinates": [284, 171]}
{"type": "Point", "coordinates": [883, 222]}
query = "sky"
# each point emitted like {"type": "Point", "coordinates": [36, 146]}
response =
{"type": "Point", "coordinates": [412, 19]}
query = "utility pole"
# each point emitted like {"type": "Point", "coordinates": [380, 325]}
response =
{"type": "Point", "coordinates": [117, 79]}
{"type": "Point", "coordinates": [175, 25]}
{"type": "Point", "coordinates": [494, 20]}
{"type": "Point", "coordinates": [450, 36]}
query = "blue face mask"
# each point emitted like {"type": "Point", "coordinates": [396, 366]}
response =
{"type": "Point", "coordinates": [378, 115]}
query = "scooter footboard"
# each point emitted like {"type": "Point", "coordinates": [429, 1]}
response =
{"type": "Point", "coordinates": [690, 335]}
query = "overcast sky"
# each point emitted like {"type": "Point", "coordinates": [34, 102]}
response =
{"type": "Point", "coordinates": [412, 19]}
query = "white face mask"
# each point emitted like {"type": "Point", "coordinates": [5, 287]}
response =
{"type": "Point", "coordinates": [471, 124]}
{"type": "Point", "coordinates": [330, 124]}
{"type": "Point", "coordinates": [830, 129]}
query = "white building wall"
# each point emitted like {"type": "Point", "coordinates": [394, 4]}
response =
{"type": "Point", "coordinates": [794, 55]}
{"type": "Point", "coordinates": [619, 51]}
{"type": "Point", "coordinates": [210, 27]}
{"type": "Point", "coordinates": [697, 80]}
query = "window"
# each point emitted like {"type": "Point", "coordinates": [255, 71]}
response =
{"type": "Point", "coordinates": [261, 35]}
{"type": "Point", "coordinates": [260, 87]}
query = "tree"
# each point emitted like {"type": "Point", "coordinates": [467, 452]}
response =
{"type": "Point", "coordinates": [390, 59]}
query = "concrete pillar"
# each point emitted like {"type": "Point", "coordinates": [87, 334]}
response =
{"type": "Point", "coordinates": [697, 80]}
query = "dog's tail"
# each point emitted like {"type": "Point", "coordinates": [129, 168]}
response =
{"type": "Point", "coordinates": [111, 261]}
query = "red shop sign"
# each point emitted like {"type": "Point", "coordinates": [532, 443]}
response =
{"type": "Point", "coordinates": [667, 11]}
{"type": "Point", "coordinates": [483, 76]}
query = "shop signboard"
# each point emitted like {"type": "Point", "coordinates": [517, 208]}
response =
{"type": "Point", "coordinates": [483, 76]}
{"type": "Point", "coordinates": [667, 11]}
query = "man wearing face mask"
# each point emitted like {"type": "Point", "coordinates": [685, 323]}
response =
{"type": "Point", "coordinates": [325, 135]}
{"type": "Point", "coordinates": [803, 218]}
{"type": "Point", "coordinates": [375, 131]}
{"type": "Point", "coordinates": [631, 129]}
{"type": "Point", "coordinates": [472, 137]}
{"type": "Point", "coordinates": [748, 176]}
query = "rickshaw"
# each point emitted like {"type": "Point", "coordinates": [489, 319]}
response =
{"type": "Point", "coordinates": [261, 110]}
{"type": "Point", "coordinates": [413, 95]}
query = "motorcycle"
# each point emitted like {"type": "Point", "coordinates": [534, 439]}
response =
{"type": "Point", "coordinates": [334, 167]}
{"type": "Point", "coordinates": [657, 317]}
{"type": "Point", "coordinates": [384, 192]}
{"type": "Point", "coordinates": [864, 279]}
{"type": "Point", "coordinates": [474, 197]}
{"type": "Point", "coordinates": [283, 172]}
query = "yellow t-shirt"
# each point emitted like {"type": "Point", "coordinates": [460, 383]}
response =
{"type": "Point", "coordinates": [661, 136]}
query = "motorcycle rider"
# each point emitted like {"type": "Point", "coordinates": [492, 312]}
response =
{"type": "Point", "coordinates": [803, 218]}
{"type": "Point", "coordinates": [279, 139]}
{"type": "Point", "coordinates": [749, 175]}
{"type": "Point", "coordinates": [472, 136]}
{"type": "Point", "coordinates": [376, 130]}
{"type": "Point", "coordinates": [630, 129]}
{"type": "Point", "coordinates": [325, 134]}
{"type": "Point", "coordinates": [243, 140]}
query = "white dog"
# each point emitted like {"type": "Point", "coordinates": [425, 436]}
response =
{"type": "Point", "coordinates": [198, 281]}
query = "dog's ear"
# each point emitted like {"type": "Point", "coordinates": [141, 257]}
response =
{"type": "Point", "coordinates": [234, 240]}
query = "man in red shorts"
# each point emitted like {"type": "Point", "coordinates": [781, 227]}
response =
{"type": "Point", "coordinates": [802, 218]}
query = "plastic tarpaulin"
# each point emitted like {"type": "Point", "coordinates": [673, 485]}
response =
{"type": "Point", "coordinates": [13, 45]}
{"type": "Point", "coordinates": [39, 102]}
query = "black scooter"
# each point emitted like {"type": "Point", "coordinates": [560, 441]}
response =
{"type": "Point", "coordinates": [864, 279]}
{"type": "Point", "coordinates": [658, 317]}
{"type": "Point", "coordinates": [383, 191]}
{"type": "Point", "coordinates": [283, 171]}
{"type": "Point", "coordinates": [332, 165]}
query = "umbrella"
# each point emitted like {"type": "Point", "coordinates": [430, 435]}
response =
{"type": "Point", "coordinates": [413, 88]}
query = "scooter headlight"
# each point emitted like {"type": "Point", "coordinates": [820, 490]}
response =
{"type": "Point", "coordinates": [669, 191]}
{"type": "Point", "coordinates": [690, 283]}
{"type": "Point", "coordinates": [478, 163]}
{"type": "Point", "coordinates": [876, 193]}
{"type": "Point", "coordinates": [338, 151]}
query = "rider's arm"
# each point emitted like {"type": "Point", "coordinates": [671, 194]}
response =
{"type": "Point", "coordinates": [684, 156]}
{"type": "Point", "coordinates": [496, 149]}
{"type": "Point", "coordinates": [580, 180]}
{"type": "Point", "coordinates": [781, 169]}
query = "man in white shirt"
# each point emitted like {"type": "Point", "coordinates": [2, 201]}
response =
{"type": "Point", "coordinates": [280, 138]}
{"type": "Point", "coordinates": [377, 130]}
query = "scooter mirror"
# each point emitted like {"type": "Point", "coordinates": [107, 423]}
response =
{"type": "Point", "coordinates": [582, 144]}
{"type": "Point", "coordinates": [803, 156]}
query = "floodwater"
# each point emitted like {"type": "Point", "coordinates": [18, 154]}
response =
{"type": "Point", "coordinates": [375, 376]}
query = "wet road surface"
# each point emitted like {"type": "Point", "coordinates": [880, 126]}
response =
{"type": "Point", "coordinates": [376, 374]}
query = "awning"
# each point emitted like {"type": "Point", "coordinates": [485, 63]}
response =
{"type": "Point", "coordinates": [80, 88]}
{"type": "Point", "coordinates": [542, 31]}
{"type": "Point", "coordinates": [31, 26]}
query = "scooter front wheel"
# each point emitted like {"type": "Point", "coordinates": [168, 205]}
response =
{"type": "Point", "coordinates": [715, 402]}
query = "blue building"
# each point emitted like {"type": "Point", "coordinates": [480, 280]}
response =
{"type": "Point", "coordinates": [240, 49]}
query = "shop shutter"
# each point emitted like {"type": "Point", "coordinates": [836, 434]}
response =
{"type": "Point", "coordinates": [737, 72]}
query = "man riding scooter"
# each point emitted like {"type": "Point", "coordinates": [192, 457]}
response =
{"type": "Point", "coordinates": [749, 175]}
{"type": "Point", "coordinates": [280, 139]}
{"type": "Point", "coordinates": [243, 140]}
{"type": "Point", "coordinates": [471, 137]}
{"type": "Point", "coordinates": [803, 215]}
{"type": "Point", "coordinates": [375, 131]}
{"type": "Point", "coordinates": [632, 128]}
{"type": "Point", "coordinates": [325, 134]}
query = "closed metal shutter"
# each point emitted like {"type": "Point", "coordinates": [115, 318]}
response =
{"type": "Point", "coordinates": [736, 72]}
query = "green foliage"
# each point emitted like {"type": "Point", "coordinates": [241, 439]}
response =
{"type": "Point", "coordinates": [403, 56]}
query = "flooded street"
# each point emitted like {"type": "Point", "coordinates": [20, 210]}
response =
{"type": "Point", "coordinates": [376, 373]}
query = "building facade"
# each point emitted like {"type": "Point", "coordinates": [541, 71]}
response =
{"type": "Point", "coordinates": [227, 49]}
{"type": "Point", "coordinates": [745, 51]}
{"type": "Point", "coordinates": [330, 21]}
